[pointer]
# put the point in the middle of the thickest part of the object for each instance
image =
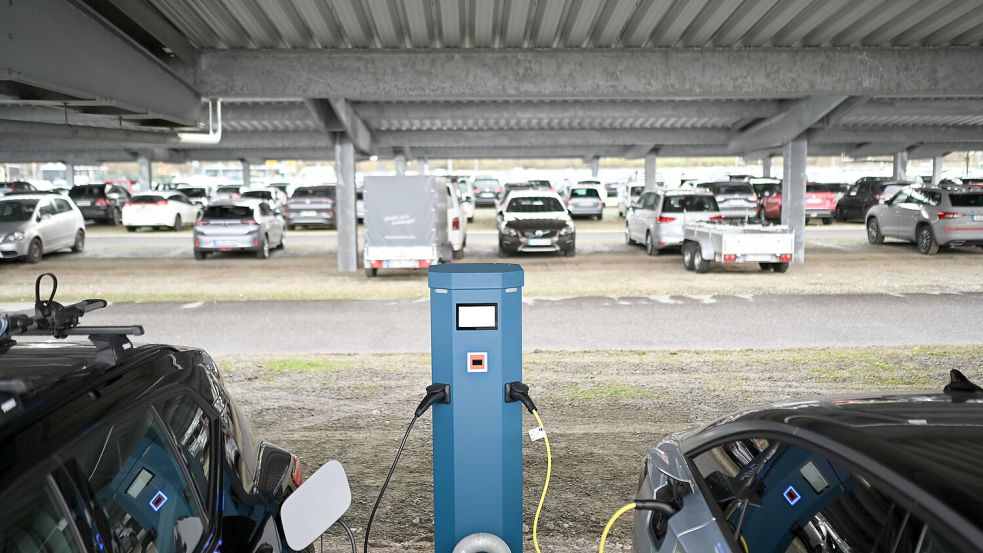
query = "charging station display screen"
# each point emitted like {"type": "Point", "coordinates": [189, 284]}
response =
{"type": "Point", "coordinates": [477, 316]}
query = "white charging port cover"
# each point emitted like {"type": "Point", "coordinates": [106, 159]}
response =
{"type": "Point", "coordinates": [316, 505]}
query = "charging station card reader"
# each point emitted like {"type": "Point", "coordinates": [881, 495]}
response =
{"type": "Point", "coordinates": [476, 341]}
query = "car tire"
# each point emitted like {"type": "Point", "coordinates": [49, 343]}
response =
{"type": "Point", "coordinates": [283, 242]}
{"type": "Point", "coordinates": [765, 266]}
{"type": "Point", "coordinates": [927, 244]}
{"type": "Point", "coordinates": [650, 244]}
{"type": "Point", "coordinates": [600, 216]}
{"type": "Point", "coordinates": [35, 251]}
{"type": "Point", "coordinates": [687, 252]}
{"type": "Point", "coordinates": [458, 254]}
{"type": "Point", "coordinates": [780, 267]}
{"type": "Point", "coordinates": [79, 245]}
{"type": "Point", "coordinates": [838, 214]}
{"type": "Point", "coordinates": [131, 229]}
{"type": "Point", "coordinates": [628, 240]}
{"type": "Point", "coordinates": [700, 265]}
{"type": "Point", "coordinates": [371, 272]}
{"type": "Point", "coordinates": [264, 249]}
{"type": "Point", "coordinates": [200, 255]}
{"type": "Point", "coordinates": [115, 217]}
{"type": "Point", "coordinates": [827, 220]}
{"type": "Point", "coordinates": [571, 252]}
{"type": "Point", "coordinates": [177, 223]}
{"type": "Point", "coordinates": [874, 235]}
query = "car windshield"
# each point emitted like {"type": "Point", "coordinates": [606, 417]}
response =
{"type": "Point", "coordinates": [971, 199]}
{"type": "Point", "coordinates": [694, 202]}
{"type": "Point", "coordinates": [227, 189]}
{"type": "Point", "coordinates": [729, 188]}
{"type": "Point", "coordinates": [636, 191]}
{"type": "Point", "coordinates": [486, 183]}
{"type": "Point", "coordinates": [194, 192]}
{"type": "Point", "coordinates": [96, 191]}
{"type": "Point", "coordinates": [12, 211]}
{"type": "Point", "coordinates": [228, 212]}
{"type": "Point", "coordinates": [584, 193]}
{"type": "Point", "coordinates": [261, 194]}
{"type": "Point", "coordinates": [820, 187]}
{"type": "Point", "coordinates": [315, 192]}
{"type": "Point", "coordinates": [534, 205]}
{"type": "Point", "coordinates": [151, 199]}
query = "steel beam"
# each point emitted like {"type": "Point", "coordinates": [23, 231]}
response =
{"type": "Point", "coordinates": [61, 51]}
{"type": "Point", "coordinates": [650, 165]}
{"type": "Point", "coordinates": [69, 174]}
{"type": "Point", "coordinates": [344, 153]}
{"type": "Point", "coordinates": [146, 172]}
{"type": "Point", "coordinates": [635, 152]}
{"type": "Point", "coordinates": [73, 132]}
{"type": "Point", "coordinates": [794, 155]}
{"type": "Point", "coordinates": [555, 138]}
{"type": "Point", "coordinates": [481, 74]}
{"type": "Point", "coordinates": [936, 169]}
{"type": "Point", "coordinates": [900, 165]}
{"type": "Point", "coordinates": [400, 165]}
{"type": "Point", "coordinates": [895, 135]}
{"type": "Point", "coordinates": [336, 115]}
{"type": "Point", "coordinates": [595, 166]}
{"type": "Point", "coordinates": [766, 166]}
{"type": "Point", "coordinates": [789, 124]}
{"type": "Point", "coordinates": [921, 107]}
{"type": "Point", "coordinates": [246, 170]}
{"type": "Point", "coordinates": [156, 25]}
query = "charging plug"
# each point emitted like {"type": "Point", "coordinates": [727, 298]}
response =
{"type": "Point", "coordinates": [517, 391]}
{"type": "Point", "coordinates": [436, 393]}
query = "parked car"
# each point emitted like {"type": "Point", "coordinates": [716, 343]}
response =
{"type": "Point", "coordinates": [244, 225]}
{"type": "Point", "coordinates": [226, 192]}
{"type": "Point", "coordinates": [457, 221]}
{"type": "Point", "coordinates": [199, 195]}
{"type": "Point", "coordinates": [100, 202]}
{"type": "Point", "coordinates": [628, 195]}
{"type": "Point", "coordinates": [864, 194]}
{"type": "Point", "coordinates": [535, 221]}
{"type": "Point", "coordinates": [541, 184]}
{"type": "Point", "coordinates": [930, 217]}
{"type": "Point", "coordinates": [32, 225]}
{"type": "Point", "coordinates": [736, 199]}
{"type": "Point", "coordinates": [16, 186]}
{"type": "Point", "coordinates": [508, 189]}
{"type": "Point", "coordinates": [311, 206]}
{"type": "Point", "coordinates": [763, 188]}
{"type": "Point", "coordinates": [486, 191]}
{"type": "Point", "coordinates": [113, 447]}
{"type": "Point", "coordinates": [467, 198]}
{"type": "Point", "coordinates": [876, 472]}
{"type": "Point", "coordinates": [272, 196]}
{"type": "Point", "coordinates": [657, 219]}
{"type": "Point", "coordinates": [585, 201]}
{"type": "Point", "coordinates": [168, 209]}
{"type": "Point", "coordinates": [611, 188]}
{"type": "Point", "coordinates": [820, 203]}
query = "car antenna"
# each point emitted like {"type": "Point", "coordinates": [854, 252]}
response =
{"type": "Point", "coordinates": [959, 384]}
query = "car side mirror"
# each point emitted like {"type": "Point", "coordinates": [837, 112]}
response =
{"type": "Point", "coordinates": [316, 505]}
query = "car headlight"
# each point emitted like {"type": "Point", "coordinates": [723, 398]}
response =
{"type": "Point", "coordinates": [13, 237]}
{"type": "Point", "coordinates": [509, 231]}
{"type": "Point", "coordinates": [567, 230]}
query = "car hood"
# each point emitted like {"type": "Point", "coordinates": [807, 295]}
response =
{"type": "Point", "coordinates": [537, 221]}
{"type": "Point", "coordinates": [7, 228]}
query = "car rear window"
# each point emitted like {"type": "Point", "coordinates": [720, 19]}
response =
{"type": "Point", "coordinates": [584, 193]}
{"type": "Point", "coordinates": [261, 194]}
{"type": "Point", "coordinates": [972, 199]}
{"type": "Point", "coordinates": [147, 199]}
{"type": "Point", "coordinates": [13, 211]}
{"type": "Point", "coordinates": [97, 191]}
{"type": "Point", "coordinates": [819, 187]}
{"type": "Point", "coordinates": [228, 212]}
{"type": "Point", "coordinates": [534, 205]}
{"type": "Point", "coordinates": [695, 202]}
{"type": "Point", "coordinates": [315, 192]}
{"type": "Point", "coordinates": [731, 188]}
{"type": "Point", "coordinates": [636, 191]}
{"type": "Point", "coordinates": [194, 192]}
{"type": "Point", "coordinates": [482, 183]}
{"type": "Point", "coordinates": [764, 189]}
{"type": "Point", "coordinates": [227, 189]}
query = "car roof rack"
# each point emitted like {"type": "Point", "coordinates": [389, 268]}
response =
{"type": "Point", "coordinates": [61, 321]}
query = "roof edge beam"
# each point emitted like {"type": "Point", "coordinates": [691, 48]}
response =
{"type": "Point", "coordinates": [786, 126]}
{"type": "Point", "coordinates": [336, 114]}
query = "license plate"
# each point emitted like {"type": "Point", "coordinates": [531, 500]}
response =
{"type": "Point", "coordinates": [308, 213]}
{"type": "Point", "coordinates": [83, 203]}
{"type": "Point", "coordinates": [758, 257]}
{"type": "Point", "coordinates": [540, 242]}
{"type": "Point", "coordinates": [978, 217]}
{"type": "Point", "coordinates": [486, 195]}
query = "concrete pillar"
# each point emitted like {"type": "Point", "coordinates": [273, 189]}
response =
{"type": "Point", "coordinates": [146, 172]}
{"type": "Point", "coordinates": [424, 166]}
{"type": "Point", "coordinates": [650, 171]}
{"type": "Point", "coordinates": [70, 174]}
{"type": "Point", "coordinates": [936, 169]}
{"type": "Point", "coordinates": [901, 165]}
{"type": "Point", "coordinates": [400, 165]}
{"type": "Point", "coordinates": [344, 155]}
{"type": "Point", "coordinates": [246, 177]}
{"type": "Point", "coordinates": [595, 166]}
{"type": "Point", "coordinates": [766, 167]}
{"type": "Point", "coordinates": [794, 192]}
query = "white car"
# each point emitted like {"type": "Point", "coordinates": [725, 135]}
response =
{"type": "Point", "coordinates": [167, 209]}
{"type": "Point", "coordinates": [467, 198]}
{"type": "Point", "coordinates": [272, 196]}
{"type": "Point", "coordinates": [457, 221]}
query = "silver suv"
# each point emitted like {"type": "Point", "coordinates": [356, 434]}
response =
{"type": "Point", "coordinates": [930, 217]}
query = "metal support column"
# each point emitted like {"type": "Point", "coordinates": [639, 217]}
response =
{"type": "Point", "coordinates": [424, 166]}
{"type": "Point", "coordinates": [794, 191]}
{"type": "Point", "coordinates": [766, 167]}
{"type": "Point", "coordinates": [400, 165]}
{"type": "Point", "coordinates": [246, 177]}
{"type": "Point", "coordinates": [70, 174]}
{"type": "Point", "coordinates": [146, 172]}
{"type": "Point", "coordinates": [595, 166]}
{"type": "Point", "coordinates": [900, 165]}
{"type": "Point", "coordinates": [344, 155]}
{"type": "Point", "coordinates": [650, 171]}
{"type": "Point", "coordinates": [936, 169]}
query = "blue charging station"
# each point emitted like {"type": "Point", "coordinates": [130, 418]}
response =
{"type": "Point", "coordinates": [476, 345]}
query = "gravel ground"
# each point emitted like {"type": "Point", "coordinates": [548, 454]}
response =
{"type": "Point", "coordinates": [355, 408]}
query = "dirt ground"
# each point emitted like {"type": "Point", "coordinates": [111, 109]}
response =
{"type": "Point", "coordinates": [601, 409]}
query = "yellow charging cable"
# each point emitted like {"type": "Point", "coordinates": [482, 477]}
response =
{"type": "Point", "coordinates": [611, 521]}
{"type": "Point", "coordinates": [546, 485]}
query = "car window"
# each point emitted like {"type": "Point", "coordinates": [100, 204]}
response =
{"type": "Point", "coordinates": [190, 428]}
{"type": "Point", "coordinates": [98, 191]}
{"type": "Point", "coordinates": [899, 198]}
{"type": "Point", "coordinates": [14, 211]}
{"type": "Point", "coordinates": [227, 189]}
{"type": "Point", "coordinates": [147, 199]}
{"type": "Point", "coordinates": [48, 208]}
{"type": "Point", "coordinates": [315, 192]}
{"type": "Point", "coordinates": [854, 190]}
{"type": "Point", "coordinates": [194, 192]}
{"type": "Point", "coordinates": [265, 210]}
{"type": "Point", "coordinates": [227, 212]}
{"type": "Point", "coordinates": [733, 188]}
{"type": "Point", "coordinates": [775, 496]}
{"type": "Point", "coordinates": [139, 485]}
{"type": "Point", "coordinates": [534, 205]}
{"type": "Point", "coordinates": [921, 196]}
{"type": "Point", "coordinates": [584, 193]}
{"type": "Point", "coordinates": [261, 194]}
{"type": "Point", "coordinates": [972, 199]}
{"type": "Point", "coordinates": [180, 198]}
{"type": "Point", "coordinates": [33, 520]}
{"type": "Point", "coordinates": [62, 206]}
{"type": "Point", "coordinates": [678, 204]}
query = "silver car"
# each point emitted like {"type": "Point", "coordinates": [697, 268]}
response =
{"type": "Point", "coordinates": [657, 219]}
{"type": "Point", "coordinates": [931, 217]}
{"type": "Point", "coordinates": [736, 199]}
{"type": "Point", "coordinates": [237, 226]}
{"type": "Point", "coordinates": [585, 201]}
{"type": "Point", "coordinates": [32, 225]}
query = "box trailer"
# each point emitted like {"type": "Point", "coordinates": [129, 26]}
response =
{"type": "Point", "coordinates": [770, 246]}
{"type": "Point", "coordinates": [405, 222]}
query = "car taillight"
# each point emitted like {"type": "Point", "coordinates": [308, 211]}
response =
{"type": "Point", "coordinates": [101, 201]}
{"type": "Point", "coordinates": [665, 219]}
{"type": "Point", "coordinates": [730, 258]}
{"type": "Point", "coordinates": [248, 221]}
{"type": "Point", "coordinates": [127, 202]}
{"type": "Point", "coordinates": [200, 222]}
{"type": "Point", "coordinates": [376, 264]}
{"type": "Point", "coordinates": [423, 263]}
{"type": "Point", "coordinates": [785, 257]}
{"type": "Point", "coordinates": [456, 223]}
{"type": "Point", "coordinates": [297, 476]}
{"type": "Point", "coordinates": [570, 201]}
{"type": "Point", "coordinates": [949, 215]}
{"type": "Point", "coordinates": [475, 191]}
{"type": "Point", "coordinates": [716, 218]}
{"type": "Point", "coordinates": [235, 196]}
{"type": "Point", "coordinates": [160, 202]}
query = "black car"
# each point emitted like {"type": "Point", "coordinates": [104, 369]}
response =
{"type": "Point", "coordinates": [100, 202]}
{"type": "Point", "coordinates": [865, 194]}
{"type": "Point", "coordinates": [120, 448]}
{"type": "Point", "coordinates": [887, 473]}
{"type": "Point", "coordinates": [534, 221]}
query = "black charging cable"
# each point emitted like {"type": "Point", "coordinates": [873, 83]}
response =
{"type": "Point", "coordinates": [436, 393]}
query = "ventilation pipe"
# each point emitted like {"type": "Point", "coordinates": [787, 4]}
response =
{"type": "Point", "coordinates": [214, 134]}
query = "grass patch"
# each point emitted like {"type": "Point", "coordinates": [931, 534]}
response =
{"type": "Point", "coordinates": [307, 364]}
{"type": "Point", "coordinates": [596, 393]}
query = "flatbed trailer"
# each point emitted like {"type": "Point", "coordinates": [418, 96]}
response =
{"type": "Point", "coordinates": [705, 242]}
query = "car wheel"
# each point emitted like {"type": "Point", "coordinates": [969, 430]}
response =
{"type": "Point", "coordinates": [264, 249]}
{"type": "Point", "coordinates": [649, 244]}
{"type": "Point", "coordinates": [600, 216]}
{"type": "Point", "coordinates": [688, 248]}
{"type": "Point", "coordinates": [780, 267]}
{"type": "Point", "coordinates": [838, 214]}
{"type": "Point", "coordinates": [874, 235]}
{"type": "Point", "coordinates": [700, 265]}
{"type": "Point", "coordinates": [115, 217]}
{"type": "Point", "coordinates": [177, 223]}
{"type": "Point", "coordinates": [283, 241]}
{"type": "Point", "coordinates": [628, 240]}
{"type": "Point", "coordinates": [765, 266]}
{"type": "Point", "coordinates": [79, 244]}
{"type": "Point", "coordinates": [926, 240]}
{"type": "Point", "coordinates": [131, 229]}
{"type": "Point", "coordinates": [458, 254]}
{"type": "Point", "coordinates": [34, 251]}
{"type": "Point", "coordinates": [572, 252]}
{"type": "Point", "coordinates": [371, 272]}
{"type": "Point", "coordinates": [502, 253]}
{"type": "Point", "coordinates": [827, 220]}
{"type": "Point", "coordinates": [200, 255]}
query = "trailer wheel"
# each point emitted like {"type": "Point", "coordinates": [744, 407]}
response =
{"type": "Point", "coordinates": [688, 248]}
{"type": "Point", "coordinates": [700, 265]}
{"type": "Point", "coordinates": [780, 267]}
{"type": "Point", "coordinates": [371, 272]}
{"type": "Point", "coordinates": [766, 266]}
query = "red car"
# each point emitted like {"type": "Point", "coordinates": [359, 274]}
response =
{"type": "Point", "coordinates": [820, 204]}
